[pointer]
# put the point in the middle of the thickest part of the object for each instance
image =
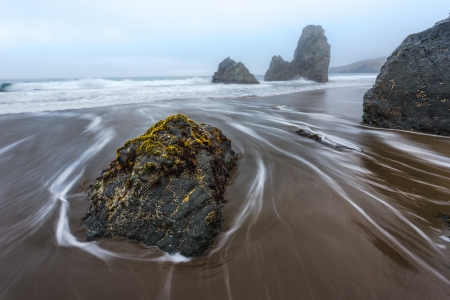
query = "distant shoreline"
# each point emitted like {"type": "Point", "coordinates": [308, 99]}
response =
{"type": "Point", "coordinates": [361, 67]}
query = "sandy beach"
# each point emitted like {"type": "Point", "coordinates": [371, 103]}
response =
{"type": "Point", "coordinates": [302, 220]}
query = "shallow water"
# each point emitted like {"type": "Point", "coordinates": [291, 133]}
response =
{"type": "Point", "coordinates": [302, 220]}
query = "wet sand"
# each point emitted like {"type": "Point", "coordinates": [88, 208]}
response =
{"type": "Point", "coordinates": [302, 220]}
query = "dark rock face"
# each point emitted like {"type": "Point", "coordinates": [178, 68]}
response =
{"type": "Point", "coordinates": [311, 58]}
{"type": "Point", "coordinates": [445, 218]}
{"type": "Point", "coordinates": [319, 139]}
{"type": "Point", "coordinates": [231, 72]}
{"type": "Point", "coordinates": [165, 188]}
{"type": "Point", "coordinates": [279, 70]}
{"type": "Point", "coordinates": [412, 91]}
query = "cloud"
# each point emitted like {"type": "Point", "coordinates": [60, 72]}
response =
{"type": "Point", "coordinates": [106, 36]}
{"type": "Point", "coordinates": [49, 20]}
{"type": "Point", "coordinates": [51, 32]}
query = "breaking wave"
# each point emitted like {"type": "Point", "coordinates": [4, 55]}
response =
{"type": "Point", "coordinates": [98, 83]}
{"type": "Point", "coordinates": [4, 87]}
{"type": "Point", "coordinates": [59, 94]}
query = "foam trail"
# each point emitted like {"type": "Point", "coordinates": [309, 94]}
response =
{"type": "Point", "coordinates": [94, 125]}
{"type": "Point", "coordinates": [421, 153]}
{"type": "Point", "coordinates": [253, 203]}
{"type": "Point", "coordinates": [227, 280]}
{"type": "Point", "coordinates": [335, 186]}
{"type": "Point", "coordinates": [7, 148]}
{"type": "Point", "coordinates": [332, 141]}
{"type": "Point", "coordinates": [327, 139]}
{"type": "Point", "coordinates": [168, 284]}
{"type": "Point", "coordinates": [34, 222]}
{"type": "Point", "coordinates": [60, 189]}
{"type": "Point", "coordinates": [63, 235]}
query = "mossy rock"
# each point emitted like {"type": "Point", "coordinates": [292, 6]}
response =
{"type": "Point", "coordinates": [165, 188]}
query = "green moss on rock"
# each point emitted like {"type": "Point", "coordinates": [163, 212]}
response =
{"type": "Point", "coordinates": [165, 188]}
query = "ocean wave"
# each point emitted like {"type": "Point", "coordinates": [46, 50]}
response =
{"type": "Point", "coordinates": [53, 95]}
{"type": "Point", "coordinates": [4, 87]}
{"type": "Point", "coordinates": [98, 83]}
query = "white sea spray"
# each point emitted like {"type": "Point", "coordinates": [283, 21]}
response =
{"type": "Point", "coordinates": [64, 94]}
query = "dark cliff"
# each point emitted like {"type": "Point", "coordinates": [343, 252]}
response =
{"type": "Point", "coordinates": [412, 91]}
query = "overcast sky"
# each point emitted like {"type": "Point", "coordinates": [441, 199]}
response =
{"type": "Point", "coordinates": [112, 38]}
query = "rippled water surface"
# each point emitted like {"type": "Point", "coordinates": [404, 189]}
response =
{"type": "Point", "coordinates": [302, 220]}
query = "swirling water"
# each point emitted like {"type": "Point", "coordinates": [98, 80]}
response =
{"type": "Point", "coordinates": [302, 220]}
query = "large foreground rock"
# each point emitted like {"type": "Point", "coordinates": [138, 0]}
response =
{"type": "Point", "coordinates": [165, 188]}
{"type": "Point", "coordinates": [231, 72]}
{"type": "Point", "coordinates": [412, 90]}
{"type": "Point", "coordinates": [311, 58]}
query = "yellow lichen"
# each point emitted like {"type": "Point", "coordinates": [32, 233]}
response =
{"type": "Point", "coordinates": [176, 140]}
{"type": "Point", "coordinates": [172, 150]}
{"type": "Point", "coordinates": [186, 199]}
{"type": "Point", "coordinates": [210, 217]}
{"type": "Point", "coordinates": [149, 166]}
{"type": "Point", "coordinates": [150, 140]}
{"type": "Point", "coordinates": [155, 140]}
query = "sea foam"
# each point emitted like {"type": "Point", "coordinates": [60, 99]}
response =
{"type": "Point", "coordinates": [51, 95]}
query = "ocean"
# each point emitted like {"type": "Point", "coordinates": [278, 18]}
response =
{"type": "Point", "coordinates": [19, 96]}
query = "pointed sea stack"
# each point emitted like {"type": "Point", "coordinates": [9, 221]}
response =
{"type": "Point", "coordinates": [231, 72]}
{"type": "Point", "coordinates": [412, 91]}
{"type": "Point", "coordinates": [165, 188]}
{"type": "Point", "coordinates": [311, 58]}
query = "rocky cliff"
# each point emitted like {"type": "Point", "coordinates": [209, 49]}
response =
{"type": "Point", "coordinates": [311, 58]}
{"type": "Point", "coordinates": [231, 72]}
{"type": "Point", "coordinates": [165, 188]}
{"type": "Point", "coordinates": [412, 90]}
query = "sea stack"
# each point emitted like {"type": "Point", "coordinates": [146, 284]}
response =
{"type": "Point", "coordinates": [231, 72]}
{"type": "Point", "coordinates": [165, 188]}
{"type": "Point", "coordinates": [311, 58]}
{"type": "Point", "coordinates": [412, 91]}
{"type": "Point", "coordinates": [279, 70]}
